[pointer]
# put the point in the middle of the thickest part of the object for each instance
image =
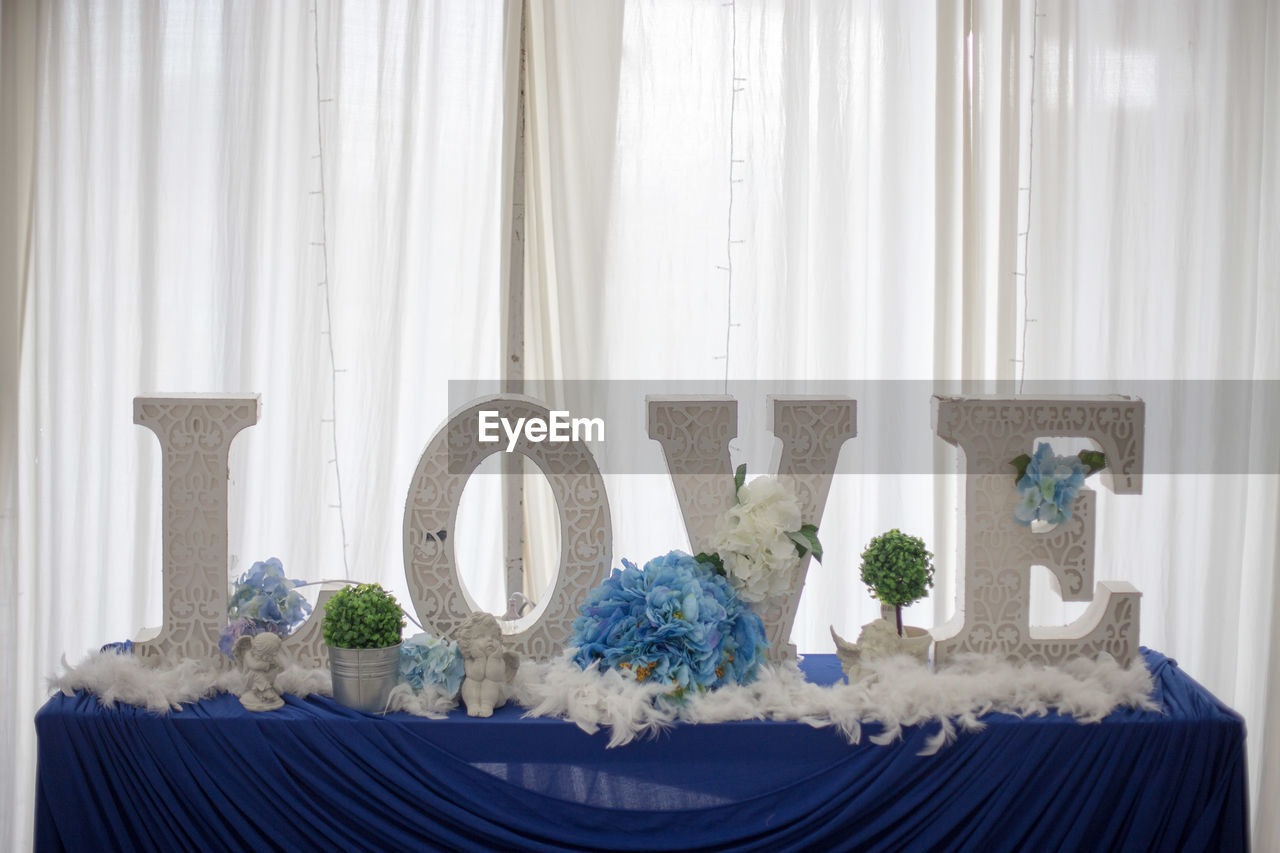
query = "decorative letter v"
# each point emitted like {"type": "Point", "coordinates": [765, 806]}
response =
{"type": "Point", "coordinates": [695, 432]}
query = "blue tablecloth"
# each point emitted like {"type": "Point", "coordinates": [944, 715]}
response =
{"type": "Point", "coordinates": [317, 776]}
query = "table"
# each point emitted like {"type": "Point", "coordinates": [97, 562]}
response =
{"type": "Point", "coordinates": [317, 776]}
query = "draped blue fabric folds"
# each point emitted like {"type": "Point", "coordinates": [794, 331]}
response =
{"type": "Point", "coordinates": [317, 776]}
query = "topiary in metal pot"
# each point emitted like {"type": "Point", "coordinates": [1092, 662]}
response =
{"type": "Point", "coordinates": [362, 626]}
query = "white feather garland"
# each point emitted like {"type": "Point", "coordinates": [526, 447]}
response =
{"type": "Point", "coordinates": [124, 678]}
{"type": "Point", "coordinates": [162, 686]}
{"type": "Point", "coordinates": [431, 702]}
{"type": "Point", "coordinates": [302, 681]}
{"type": "Point", "coordinates": [591, 699]}
{"type": "Point", "coordinates": [898, 692]}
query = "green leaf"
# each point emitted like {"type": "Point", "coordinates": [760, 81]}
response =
{"type": "Point", "coordinates": [1093, 461]}
{"type": "Point", "coordinates": [739, 477]}
{"type": "Point", "coordinates": [897, 568]}
{"type": "Point", "coordinates": [362, 617]}
{"type": "Point", "coordinates": [806, 539]}
{"type": "Point", "coordinates": [712, 560]}
{"type": "Point", "coordinates": [1021, 464]}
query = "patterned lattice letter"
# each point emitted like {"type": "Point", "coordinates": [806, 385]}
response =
{"type": "Point", "coordinates": [195, 433]}
{"type": "Point", "coordinates": [993, 588]}
{"type": "Point", "coordinates": [431, 513]}
{"type": "Point", "coordinates": [695, 432]}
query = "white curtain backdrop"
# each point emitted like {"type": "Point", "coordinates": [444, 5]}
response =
{"type": "Point", "coordinates": [875, 204]}
{"type": "Point", "coordinates": [887, 149]}
{"type": "Point", "coordinates": [174, 247]}
{"type": "Point", "coordinates": [846, 249]}
{"type": "Point", "coordinates": [163, 213]}
{"type": "Point", "coordinates": [1153, 255]}
{"type": "Point", "coordinates": [18, 28]}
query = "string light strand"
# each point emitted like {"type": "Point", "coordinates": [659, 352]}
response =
{"type": "Point", "coordinates": [1026, 234]}
{"type": "Point", "coordinates": [324, 285]}
{"type": "Point", "coordinates": [736, 88]}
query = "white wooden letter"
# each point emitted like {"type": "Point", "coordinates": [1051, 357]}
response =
{"type": "Point", "coordinates": [993, 583]}
{"type": "Point", "coordinates": [195, 433]}
{"type": "Point", "coordinates": [695, 432]}
{"type": "Point", "coordinates": [431, 513]}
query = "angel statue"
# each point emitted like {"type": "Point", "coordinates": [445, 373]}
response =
{"type": "Point", "coordinates": [259, 658]}
{"type": "Point", "coordinates": [488, 668]}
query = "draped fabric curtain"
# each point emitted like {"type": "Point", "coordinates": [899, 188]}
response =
{"type": "Point", "coordinates": [853, 211]}
{"type": "Point", "coordinates": [18, 69]}
{"type": "Point", "coordinates": [1153, 256]}
{"type": "Point", "coordinates": [844, 235]}
{"type": "Point", "coordinates": [893, 158]}
{"type": "Point", "coordinates": [179, 241]}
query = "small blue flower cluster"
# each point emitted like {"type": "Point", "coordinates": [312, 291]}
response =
{"type": "Point", "coordinates": [1049, 486]}
{"type": "Point", "coordinates": [675, 622]}
{"type": "Point", "coordinates": [263, 600]}
{"type": "Point", "coordinates": [425, 659]}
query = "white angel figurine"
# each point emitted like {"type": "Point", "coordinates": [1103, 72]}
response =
{"type": "Point", "coordinates": [259, 659]}
{"type": "Point", "coordinates": [488, 668]}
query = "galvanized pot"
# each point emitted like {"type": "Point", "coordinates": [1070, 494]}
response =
{"type": "Point", "coordinates": [363, 678]}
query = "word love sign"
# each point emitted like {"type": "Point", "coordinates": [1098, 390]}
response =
{"type": "Point", "coordinates": [195, 434]}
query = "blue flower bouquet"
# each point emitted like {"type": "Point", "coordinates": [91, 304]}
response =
{"type": "Point", "coordinates": [263, 599]}
{"type": "Point", "coordinates": [1048, 486]}
{"type": "Point", "coordinates": [431, 661]}
{"type": "Point", "coordinates": [675, 622]}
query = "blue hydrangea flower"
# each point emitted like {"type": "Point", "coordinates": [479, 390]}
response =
{"type": "Point", "coordinates": [263, 599]}
{"type": "Point", "coordinates": [425, 659]}
{"type": "Point", "coordinates": [124, 647]}
{"type": "Point", "coordinates": [1049, 487]}
{"type": "Point", "coordinates": [676, 622]}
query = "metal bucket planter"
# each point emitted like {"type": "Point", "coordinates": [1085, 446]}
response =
{"type": "Point", "coordinates": [363, 678]}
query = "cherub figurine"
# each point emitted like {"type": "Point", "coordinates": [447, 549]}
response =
{"type": "Point", "coordinates": [488, 668]}
{"type": "Point", "coordinates": [259, 659]}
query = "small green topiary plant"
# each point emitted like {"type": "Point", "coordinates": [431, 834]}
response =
{"type": "Point", "coordinates": [362, 617]}
{"type": "Point", "coordinates": [897, 569]}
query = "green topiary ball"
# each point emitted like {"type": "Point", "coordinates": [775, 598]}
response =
{"type": "Point", "coordinates": [362, 617]}
{"type": "Point", "coordinates": [897, 568]}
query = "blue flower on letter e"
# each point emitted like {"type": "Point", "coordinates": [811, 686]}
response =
{"type": "Point", "coordinates": [1048, 487]}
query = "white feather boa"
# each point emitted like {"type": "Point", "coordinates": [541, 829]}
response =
{"type": "Point", "coordinates": [899, 692]}
{"type": "Point", "coordinates": [162, 686]}
{"type": "Point", "coordinates": [431, 702]}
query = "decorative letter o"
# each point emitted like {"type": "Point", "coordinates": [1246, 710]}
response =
{"type": "Point", "coordinates": [431, 512]}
